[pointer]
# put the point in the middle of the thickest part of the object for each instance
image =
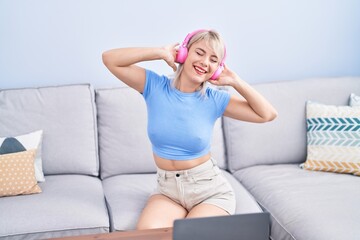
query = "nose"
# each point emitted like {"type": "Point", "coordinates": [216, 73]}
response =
{"type": "Point", "coordinates": [205, 61]}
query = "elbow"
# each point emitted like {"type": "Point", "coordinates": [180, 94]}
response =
{"type": "Point", "coordinates": [105, 58]}
{"type": "Point", "coordinates": [271, 116]}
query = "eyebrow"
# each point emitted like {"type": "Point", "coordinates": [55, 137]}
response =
{"type": "Point", "coordinates": [198, 48]}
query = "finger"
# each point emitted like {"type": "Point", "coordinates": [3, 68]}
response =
{"type": "Point", "coordinates": [215, 82]}
{"type": "Point", "coordinates": [176, 46]}
{"type": "Point", "coordinates": [174, 67]}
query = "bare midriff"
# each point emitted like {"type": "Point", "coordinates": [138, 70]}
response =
{"type": "Point", "coordinates": [177, 165]}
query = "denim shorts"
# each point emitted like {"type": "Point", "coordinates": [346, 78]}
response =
{"type": "Point", "coordinates": [202, 184]}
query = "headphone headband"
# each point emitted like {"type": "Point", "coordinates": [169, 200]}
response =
{"type": "Point", "coordinates": [222, 63]}
{"type": "Point", "coordinates": [190, 35]}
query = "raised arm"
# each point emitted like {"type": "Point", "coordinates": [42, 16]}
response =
{"type": "Point", "coordinates": [255, 108]}
{"type": "Point", "coordinates": [121, 62]}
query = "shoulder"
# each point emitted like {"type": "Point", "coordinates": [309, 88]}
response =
{"type": "Point", "coordinates": [220, 98]}
{"type": "Point", "coordinates": [151, 76]}
{"type": "Point", "coordinates": [216, 93]}
{"type": "Point", "coordinates": [154, 83]}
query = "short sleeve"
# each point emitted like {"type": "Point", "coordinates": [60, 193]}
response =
{"type": "Point", "coordinates": [221, 98]}
{"type": "Point", "coordinates": [152, 82]}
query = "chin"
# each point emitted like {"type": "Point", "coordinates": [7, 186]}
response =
{"type": "Point", "coordinates": [200, 78]}
{"type": "Point", "coordinates": [196, 78]}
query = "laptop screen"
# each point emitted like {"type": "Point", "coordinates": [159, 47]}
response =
{"type": "Point", "coordinates": [252, 226]}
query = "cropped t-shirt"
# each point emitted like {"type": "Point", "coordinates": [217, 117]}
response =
{"type": "Point", "coordinates": [180, 125]}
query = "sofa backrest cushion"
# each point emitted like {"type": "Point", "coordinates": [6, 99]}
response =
{"type": "Point", "coordinates": [284, 139]}
{"type": "Point", "coordinates": [124, 146]}
{"type": "Point", "coordinates": [67, 116]}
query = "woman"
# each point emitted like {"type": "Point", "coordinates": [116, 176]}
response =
{"type": "Point", "coordinates": [181, 115]}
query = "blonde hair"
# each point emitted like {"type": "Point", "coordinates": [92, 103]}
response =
{"type": "Point", "coordinates": [214, 40]}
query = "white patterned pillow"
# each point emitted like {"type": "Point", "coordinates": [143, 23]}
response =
{"type": "Point", "coordinates": [333, 138]}
{"type": "Point", "coordinates": [22, 143]}
{"type": "Point", "coordinates": [354, 100]}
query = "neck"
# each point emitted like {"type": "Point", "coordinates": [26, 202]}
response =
{"type": "Point", "coordinates": [187, 86]}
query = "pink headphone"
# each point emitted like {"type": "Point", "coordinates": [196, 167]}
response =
{"type": "Point", "coordinates": [183, 52]}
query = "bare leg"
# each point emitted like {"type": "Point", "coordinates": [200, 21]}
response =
{"type": "Point", "coordinates": [160, 212]}
{"type": "Point", "coordinates": [206, 210]}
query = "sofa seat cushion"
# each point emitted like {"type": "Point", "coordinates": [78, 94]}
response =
{"type": "Point", "coordinates": [69, 205]}
{"type": "Point", "coordinates": [307, 204]}
{"type": "Point", "coordinates": [126, 196]}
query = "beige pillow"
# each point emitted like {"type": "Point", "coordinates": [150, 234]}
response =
{"type": "Point", "coordinates": [12, 144]}
{"type": "Point", "coordinates": [17, 174]}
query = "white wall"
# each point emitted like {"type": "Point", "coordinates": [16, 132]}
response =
{"type": "Point", "coordinates": [53, 42]}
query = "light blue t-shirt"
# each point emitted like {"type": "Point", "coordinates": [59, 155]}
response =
{"type": "Point", "coordinates": [180, 125]}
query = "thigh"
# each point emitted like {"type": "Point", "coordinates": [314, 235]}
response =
{"type": "Point", "coordinates": [206, 210]}
{"type": "Point", "coordinates": [214, 191]}
{"type": "Point", "coordinates": [160, 212]}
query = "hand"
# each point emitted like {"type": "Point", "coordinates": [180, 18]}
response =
{"type": "Point", "coordinates": [170, 55]}
{"type": "Point", "coordinates": [227, 77]}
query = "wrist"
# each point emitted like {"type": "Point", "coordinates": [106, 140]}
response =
{"type": "Point", "coordinates": [162, 53]}
{"type": "Point", "coordinates": [236, 81]}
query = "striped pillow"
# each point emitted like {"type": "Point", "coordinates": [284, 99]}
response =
{"type": "Point", "coordinates": [333, 135]}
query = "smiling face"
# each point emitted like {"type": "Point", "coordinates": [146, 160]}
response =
{"type": "Point", "coordinates": [201, 62]}
{"type": "Point", "coordinates": [206, 50]}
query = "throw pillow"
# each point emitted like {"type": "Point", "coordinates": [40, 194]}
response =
{"type": "Point", "coordinates": [17, 174]}
{"type": "Point", "coordinates": [333, 135]}
{"type": "Point", "coordinates": [22, 143]}
{"type": "Point", "coordinates": [354, 100]}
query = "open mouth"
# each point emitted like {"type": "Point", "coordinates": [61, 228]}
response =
{"type": "Point", "coordinates": [199, 70]}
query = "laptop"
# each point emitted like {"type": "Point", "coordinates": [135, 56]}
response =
{"type": "Point", "coordinates": [252, 226]}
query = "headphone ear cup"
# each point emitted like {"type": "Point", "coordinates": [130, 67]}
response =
{"type": "Point", "coordinates": [181, 54]}
{"type": "Point", "coordinates": [217, 72]}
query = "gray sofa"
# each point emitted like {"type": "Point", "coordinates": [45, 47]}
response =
{"type": "Point", "coordinates": [99, 171]}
